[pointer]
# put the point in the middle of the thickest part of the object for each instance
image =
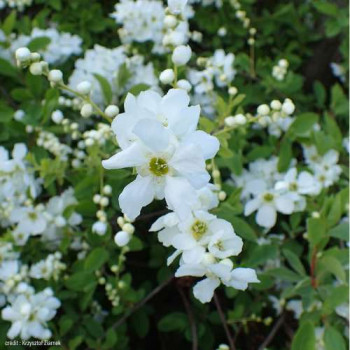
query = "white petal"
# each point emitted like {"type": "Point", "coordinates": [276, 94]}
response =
{"type": "Point", "coordinates": [136, 195]}
{"type": "Point", "coordinates": [183, 241]}
{"type": "Point", "coordinates": [208, 144]}
{"type": "Point", "coordinates": [189, 162]}
{"type": "Point", "coordinates": [167, 235]}
{"type": "Point", "coordinates": [130, 157]}
{"type": "Point", "coordinates": [164, 221]}
{"type": "Point", "coordinates": [266, 216]}
{"type": "Point", "coordinates": [185, 121]}
{"type": "Point", "coordinates": [241, 276]}
{"type": "Point", "coordinates": [180, 196]}
{"type": "Point", "coordinates": [194, 255]}
{"type": "Point", "coordinates": [153, 134]}
{"type": "Point", "coordinates": [196, 270]}
{"type": "Point", "coordinates": [14, 330]}
{"type": "Point", "coordinates": [19, 151]}
{"type": "Point", "coordinates": [204, 290]}
{"type": "Point", "coordinates": [255, 187]}
{"type": "Point", "coordinates": [284, 205]}
{"type": "Point", "coordinates": [251, 206]}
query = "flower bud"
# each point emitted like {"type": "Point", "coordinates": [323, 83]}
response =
{"type": "Point", "coordinates": [84, 87]}
{"type": "Point", "coordinates": [129, 228]}
{"type": "Point", "coordinates": [288, 106]}
{"type": "Point", "coordinates": [167, 76]}
{"type": "Point", "coordinates": [107, 190]}
{"type": "Point", "coordinates": [232, 90]}
{"type": "Point", "coordinates": [86, 111]}
{"type": "Point", "coordinates": [57, 116]}
{"type": "Point", "coordinates": [275, 104]}
{"type": "Point", "coordinates": [23, 55]}
{"type": "Point", "coordinates": [112, 111]}
{"type": "Point", "coordinates": [181, 55]}
{"type": "Point", "coordinates": [122, 238]}
{"type": "Point", "coordinates": [170, 21]}
{"type": "Point", "coordinates": [36, 68]}
{"type": "Point", "coordinates": [184, 84]}
{"type": "Point", "coordinates": [55, 76]}
{"type": "Point", "coordinates": [263, 109]}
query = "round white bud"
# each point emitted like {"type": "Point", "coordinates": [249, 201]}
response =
{"type": "Point", "coordinates": [55, 76]}
{"type": "Point", "coordinates": [232, 90]}
{"type": "Point", "coordinates": [276, 105]}
{"type": "Point", "coordinates": [57, 116]}
{"type": "Point", "coordinates": [23, 55]}
{"type": "Point", "coordinates": [184, 84]}
{"type": "Point", "coordinates": [181, 55]}
{"type": "Point", "coordinates": [84, 87]}
{"type": "Point", "coordinates": [129, 228]}
{"type": "Point", "coordinates": [87, 110]}
{"type": "Point", "coordinates": [96, 198]}
{"type": "Point", "coordinates": [19, 115]}
{"type": "Point", "coordinates": [222, 31]}
{"type": "Point", "coordinates": [104, 201]}
{"type": "Point", "coordinates": [99, 228]}
{"type": "Point", "coordinates": [170, 21]}
{"type": "Point", "coordinates": [222, 195]}
{"type": "Point", "coordinates": [288, 106]}
{"type": "Point", "coordinates": [240, 119]}
{"type": "Point", "coordinates": [120, 221]}
{"type": "Point", "coordinates": [122, 238]}
{"type": "Point", "coordinates": [36, 68]}
{"type": "Point", "coordinates": [167, 76]}
{"type": "Point", "coordinates": [283, 63]}
{"type": "Point", "coordinates": [263, 109]}
{"type": "Point", "coordinates": [112, 111]}
{"type": "Point", "coordinates": [216, 173]}
{"type": "Point", "coordinates": [230, 121]}
{"type": "Point", "coordinates": [107, 190]}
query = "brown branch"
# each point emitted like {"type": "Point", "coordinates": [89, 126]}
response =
{"type": "Point", "coordinates": [224, 323]}
{"type": "Point", "coordinates": [273, 332]}
{"type": "Point", "coordinates": [142, 302]}
{"type": "Point", "coordinates": [191, 319]}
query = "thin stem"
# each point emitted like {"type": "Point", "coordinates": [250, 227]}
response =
{"type": "Point", "coordinates": [86, 99]}
{"type": "Point", "coordinates": [191, 319]}
{"type": "Point", "coordinates": [224, 323]}
{"type": "Point", "coordinates": [142, 302]}
{"type": "Point", "coordinates": [273, 332]}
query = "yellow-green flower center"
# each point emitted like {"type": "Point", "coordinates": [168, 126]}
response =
{"type": "Point", "coordinates": [32, 216]}
{"type": "Point", "coordinates": [268, 197]}
{"type": "Point", "coordinates": [293, 186]}
{"type": "Point", "coordinates": [158, 167]}
{"type": "Point", "coordinates": [199, 228]}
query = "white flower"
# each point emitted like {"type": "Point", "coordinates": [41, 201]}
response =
{"type": "Point", "coordinates": [181, 55]}
{"type": "Point", "coordinates": [157, 136]}
{"type": "Point", "coordinates": [267, 203]}
{"type": "Point", "coordinates": [30, 220]}
{"type": "Point", "coordinates": [29, 315]}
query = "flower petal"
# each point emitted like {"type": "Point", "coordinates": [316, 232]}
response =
{"type": "Point", "coordinates": [266, 216]}
{"type": "Point", "coordinates": [204, 290]}
{"type": "Point", "coordinates": [136, 195]}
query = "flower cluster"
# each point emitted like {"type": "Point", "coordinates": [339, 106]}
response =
{"type": "Point", "coordinates": [58, 48]}
{"type": "Point", "coordinates": [280, 70]}
{"type": "Point", "coordinates": [267, 191]}
{"type": "Point", "coordinates": [158, 137]}
{"type": "Point", "coordinates": [112, 65]}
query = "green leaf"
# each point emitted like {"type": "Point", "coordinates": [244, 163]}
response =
{"type": "Point", "coordinates": [9, 23]}
{"type": "Point", "coordinates": [332, 265]}
{"type": "Point", "coordinates": [105, 87]}
{"type": "Point", "coordinates": [294, 261]}
{"type": "Point", "coordinates": [123, 76]}
{"type": "Point", "coordinates": [316, 230]}
{"type": "Point", "coordinates": [303, 124]}
{"type": "Point", "coordinates": [75, 342]}
{"type": "Point", "coordinates": [320, 93]}
{"type": "Point", "coordinates": [7, 69]}
{"type": "Point", "coordinates": [96, 259]}
{"type": "Point", "coordinates": [341, 231]}
{"type": "Point", "coordinates": [81, 281]}
{"type": "Point", "coordinates": [176, 321]}
{"type": "Point", "coordinates": [333, 339]}
{"type": "Point", "coordinates": [326, 8]}
{"type": "Point", "coordinates": [39, 43]}
{"type": "Point", "coordinates": [136, 89]}
{"type": "Point", "coordinates": [65, 324]}
{"type": "Point", "coordinates": [243, 229]}
{"type": "Point", "coordinates": [284, 155]}
{"type": "Point", "coordinates": [284, 274]}
{"type": "Point", "coordinates": [304, 338]}
{"type": "Point", "coordinates": [6, 113]}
